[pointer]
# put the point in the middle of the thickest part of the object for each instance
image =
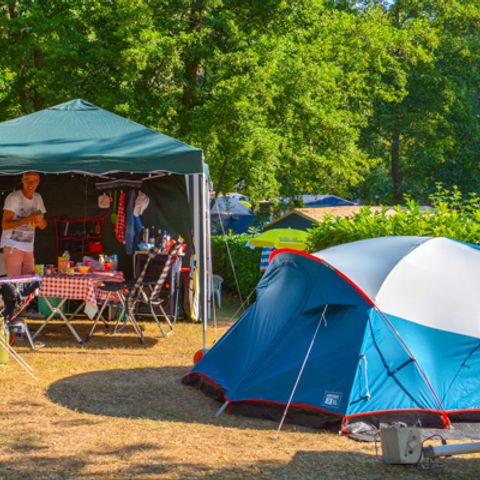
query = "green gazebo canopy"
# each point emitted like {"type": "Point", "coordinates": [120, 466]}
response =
{"type": "Point", "coordinates": [78, 136]}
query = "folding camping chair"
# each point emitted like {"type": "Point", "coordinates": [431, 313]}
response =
{"type": "Point", "coordinates": [17, 293]}
{"type": "Point", "coordinates": [128, 296]}
{"type": "Point", "coordinates": [118, 294]}
{"type": "Point", "coordinates": [151, 295]}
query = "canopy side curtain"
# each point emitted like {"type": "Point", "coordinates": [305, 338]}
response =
{"type": "Point", "coordinates": [201, 274]}
{"type": "Point", "coordinates": [71, 195]}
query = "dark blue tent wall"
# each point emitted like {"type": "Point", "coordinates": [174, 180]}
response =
{"type": "Point", "coordinates": [264, 350]}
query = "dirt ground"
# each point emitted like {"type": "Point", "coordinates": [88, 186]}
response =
{"type": "Point", "coordinates": [115, 409]}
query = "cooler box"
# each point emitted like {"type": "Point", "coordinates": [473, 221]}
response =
{"type": "Point", "coordinates": [44, 309]}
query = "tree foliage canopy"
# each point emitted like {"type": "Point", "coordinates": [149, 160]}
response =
{"type": "Point", "coordinates": [369, 99]}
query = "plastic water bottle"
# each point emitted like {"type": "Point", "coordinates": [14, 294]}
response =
{"type": "Point", "coordinates": [5, 337]}
{"type": "Point", "coordinates": [114, 262]}
{"type": "Point", "coordinates": [163, 248]}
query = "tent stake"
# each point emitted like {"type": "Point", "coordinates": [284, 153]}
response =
{"type": "Point", "coordinates": [322, 318]}
{"type": "Point", "coordinates": [18, 359]}
{"type": "Point", "coordinates": [221, 409]}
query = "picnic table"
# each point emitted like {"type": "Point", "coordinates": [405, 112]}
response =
{"type": "Point", "coordinates": [82, 287]}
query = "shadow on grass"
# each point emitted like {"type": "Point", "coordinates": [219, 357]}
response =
{"type": "Point", "coordinates": [304, 465]}
{"type": "Point", "coordinates": [57, 335]}
{"type": "Point", "coordinates": [152, 393]}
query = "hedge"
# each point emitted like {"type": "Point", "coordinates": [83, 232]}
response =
{"type": "Point", "coordinates": [246, 261]}
{"type": "Point", "coordinates": [450, 216]}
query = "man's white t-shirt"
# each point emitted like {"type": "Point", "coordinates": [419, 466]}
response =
{"type": "Point", "coordinates": [21, 237]}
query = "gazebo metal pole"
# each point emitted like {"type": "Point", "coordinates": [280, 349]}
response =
{"type": "Point", "coordinates": [199, 233]}
{"type": "Point", "coordinates": [204, 257]}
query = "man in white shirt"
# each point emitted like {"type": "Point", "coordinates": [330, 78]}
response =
{"type": "Point", "coordinates": [23, 212]}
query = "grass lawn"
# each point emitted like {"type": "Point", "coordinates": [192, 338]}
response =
{"type": "Point", "coordinates": [115, 409]}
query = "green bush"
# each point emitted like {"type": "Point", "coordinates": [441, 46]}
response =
{"type": "Point", "coordinates": [450, 216]}
{"type": "Point", "coordinates": [245, 260]}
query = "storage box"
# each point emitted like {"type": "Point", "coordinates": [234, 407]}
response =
{"type": "Point", "coordinates": [44, 309]}
{"type": "Point", "coordinates": [401, 445]}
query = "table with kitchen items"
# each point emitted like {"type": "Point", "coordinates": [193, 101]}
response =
{"type": "Point", "coordinates": [82, 287]}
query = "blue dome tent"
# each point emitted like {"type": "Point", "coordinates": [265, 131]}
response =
{"type": "Point", "coordinates": [327, 201]}
{"type": "Point", "coordinates": [379, 330]}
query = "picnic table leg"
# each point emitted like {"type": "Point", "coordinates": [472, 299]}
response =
{"type": "Point", "coordinates": [98, 317]}
{"type": "Point", "coordinates": [58, 309]}
{"type": "Point", "coordinates": [79, 309]}
{"type": "Point", "coordinates": [29, 337]}
{"type": "Point", "coordinates": [53, 310]}
{"type": "Point", "coordinates": [70, 326]}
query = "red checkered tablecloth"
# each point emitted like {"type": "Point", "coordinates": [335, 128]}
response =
{"type": "Point", "coordinates": [77, 287]}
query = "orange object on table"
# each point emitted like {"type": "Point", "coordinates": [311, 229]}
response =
{"type": "Point", "coordinates": [63, 264]}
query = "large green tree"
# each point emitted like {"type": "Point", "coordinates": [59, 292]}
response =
{"type": "Point", "coordinates": [284, 101]}
{"type": "Point", "coordinates": [430, 133]}
{"type": "Point", "coordinates": [338, 96]}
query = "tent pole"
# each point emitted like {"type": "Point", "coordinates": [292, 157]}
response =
{"type": "Point", "coordinates": [18, 358]}
{"type": "Point", "coordinates": [201, 240]}
{"type": "Point", "coordinates": [300, 373]}
{"type": "Point", "coordinates": [194, 198]}
{"type": "Point", "coordinates": [203, 191]}
{"type": "Point", "coordinates": [208, 245]}
{"type": "Point", "coordinates": [222, 409]}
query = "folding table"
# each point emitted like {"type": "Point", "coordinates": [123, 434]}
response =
{"type": "Point", "coordinates": [73, 287]}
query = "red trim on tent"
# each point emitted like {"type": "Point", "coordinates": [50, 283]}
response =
{"type": "Point", "coordinates": [465, 410]}
{"type": "Point", "coordinates": [346, 418]}
{"type": "Point", "coordinates": [211, 380]}
{"type": "Point", "coordinates": [430, 410]}
{"type": "Point", "coordinates": [323, 262]}
{"type": "Point", "coordinates": [254, 400]}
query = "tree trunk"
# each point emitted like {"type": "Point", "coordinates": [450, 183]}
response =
{"type": "Point", "coordinates": [12, 10]}
{"type": "Point", "coordinates": [21, 88]}
{"type": "Point", "coordinates": [395, 165]}
{"type": "Point", "coordinates": [38, 100]}
{"type": "Point", "coordinates": [221, 177]}
{"type": "Point", "coordinates": [191, 65]}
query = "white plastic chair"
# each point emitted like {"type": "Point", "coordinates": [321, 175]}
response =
{"type": "Point", "coordinates": [217, 288]}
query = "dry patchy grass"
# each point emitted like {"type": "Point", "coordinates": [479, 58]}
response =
{"type": "Point", "coordinates": [115, 409]}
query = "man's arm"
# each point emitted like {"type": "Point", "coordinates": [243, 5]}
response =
{"type": "Point", "coordinates": [8, 223]}
{"type": "Point", "coordinates": [40, 221]}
